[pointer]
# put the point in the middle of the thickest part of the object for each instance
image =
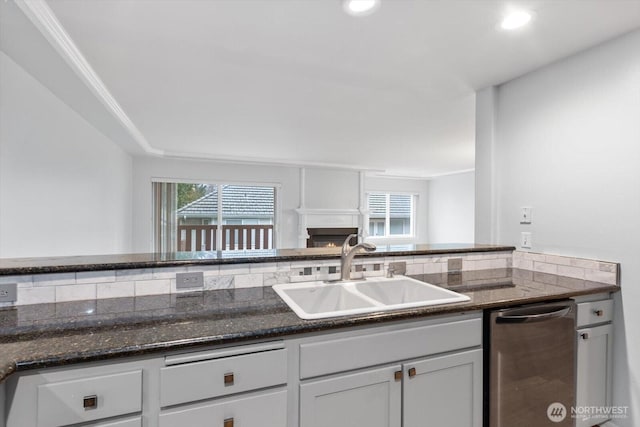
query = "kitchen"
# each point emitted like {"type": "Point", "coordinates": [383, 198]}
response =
{"type": "Point", "coordinates": [556, 139]}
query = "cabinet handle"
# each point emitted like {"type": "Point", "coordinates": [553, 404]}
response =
{"type": "Point", "coordinates": [397, 375]}
{"type": "Point", "coordinates": [598, 313]}
{"type": "Point", "coordinates": [228, 380]}
{"type": "Point", "coordinates": [585, 335]}
{"type": "Point", "coordinates": [228, 422]}
{"type": "Point", "coordinates": [412, 372]}
{"type": "Point", "coordinates": [90, 402]}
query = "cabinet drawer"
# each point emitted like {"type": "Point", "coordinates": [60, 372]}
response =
{"type": "Point", "coordinates": [129, 422]}
{"type": "Point", "coordinates": [590, 313]}
{"type": "Point", "coordinates": [267, 409]}
{"type": "Point", "coordinates": [354, 352]}
{"type": "Point", "coordinates": [89, 399]}
{"type": "Point", "coordinates": [219, 377]}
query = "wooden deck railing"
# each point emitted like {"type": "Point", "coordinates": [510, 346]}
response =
{"type": "Point", "coordinates": [234, 237]}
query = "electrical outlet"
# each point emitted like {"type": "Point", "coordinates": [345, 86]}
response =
{"type": "Point", "coordinates": [9, 292]}
{"type": "Point", "coordinates": [454, 264]}
{"type": "Point", "coordinates": [189, 280]}
{"type": "Point", "coordinates": [525, 215]}
{"type": "Point", "coordinates": [399, 267]}
{"type": "Point", "coordinates": [525, 240]}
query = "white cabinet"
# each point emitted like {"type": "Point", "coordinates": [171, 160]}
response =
{"type": "Point", "coordinates": [189, 382]}
{"type": "Point", "coordinates": [400, 374]}
{"type": "Point", "coordinates": [266, 409]}
{"type": "Point", "coordinates": [594, 361]}
{"type": "Point", "coordinates": [103, 395]}
{"type": "Point", "coordinates": [252, 376]}
{"type": "Point", "coordinates": [368, 398]}
{"type": "Point", "coordinates": [443, 388]}
{"type": "Point", "coordinates": [444, 391]}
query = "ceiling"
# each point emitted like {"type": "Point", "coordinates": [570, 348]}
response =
{"type": "Point", "coordinates": [301, 82]}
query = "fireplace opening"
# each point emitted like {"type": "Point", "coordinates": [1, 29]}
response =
{"type": "Point", "coordinates": [330, 237]}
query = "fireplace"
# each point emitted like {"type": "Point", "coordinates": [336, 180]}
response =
{"type": "Point", "coordinates": [330, 237]}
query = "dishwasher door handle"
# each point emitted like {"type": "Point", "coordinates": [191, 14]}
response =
{"type": "Point", "coordinates": [530, 315]}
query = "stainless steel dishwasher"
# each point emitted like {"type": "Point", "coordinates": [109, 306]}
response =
{"type": "Point", "coordinates": [531, 365]}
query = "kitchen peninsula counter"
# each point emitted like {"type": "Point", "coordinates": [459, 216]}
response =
{"type": "Point", "coordinates": [46, 335]}
{"type": "Point", "coordinates": [48, 265]}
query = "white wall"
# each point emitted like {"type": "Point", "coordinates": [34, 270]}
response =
{"type": "Point", "coordinates": [419, 187]}
{"type": "Point", "coordinates": [331, 188]}
{"type": "Point", "coordinates": [568, 145]}
{"type": "Point", "coordinates": [65, 189]}
{"type": "Point", "coordinates": [451, 208]}
{"type": "Point", "coordinates": [485, 214]}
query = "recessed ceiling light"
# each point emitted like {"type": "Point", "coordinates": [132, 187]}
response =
{"type": "Point", "coordinates": [516, 20]}
{"type": "Point", "coordinates": [360, 7]}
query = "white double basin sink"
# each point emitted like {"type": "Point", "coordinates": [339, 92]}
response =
{"type": "Point", "coordinates": [319, 300]}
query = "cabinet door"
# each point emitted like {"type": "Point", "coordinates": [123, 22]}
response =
{"type": "Point", "coordinates": [369, 398]}
{"type": "Point", "coordinates": [444, 391]}
{"type": "Point", "coordinates": [593, 383]}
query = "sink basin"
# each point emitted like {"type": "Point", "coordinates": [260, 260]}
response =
{"type": "Point", "coordinates": [318, 300]}
{"type": "Point", "coordinates": [408, 292]}
{"type": "Point", "coordinates": [315, 299]}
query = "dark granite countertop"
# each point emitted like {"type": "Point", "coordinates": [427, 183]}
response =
{"type": "Point", "coordinates": [14, 266]}
{"type": "Point", "coordinates": [47, 335]}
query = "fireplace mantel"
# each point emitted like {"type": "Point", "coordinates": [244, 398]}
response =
{"type": "Point", "coordinates": [326, 218]}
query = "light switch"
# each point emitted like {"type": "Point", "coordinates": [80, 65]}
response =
{"type": "Point", "coordinates": [525, 240]}
{"type": "Point", "coordinates": [525, 215]}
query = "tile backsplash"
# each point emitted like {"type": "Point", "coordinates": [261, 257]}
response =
{"type": "Point", "coordinates": [575, 268]}
{"type": "Point", "coordinates": [47, 288]}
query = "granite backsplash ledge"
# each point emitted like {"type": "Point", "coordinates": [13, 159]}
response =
{"type": "Point", "coordinates": [101, 285]}
{"type": "Point", "coordinates": [72, 264]}
{"type": "Point", "coordinates": [119, 283]}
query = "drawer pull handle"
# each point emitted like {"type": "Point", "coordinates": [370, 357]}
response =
{"type": "Point", "coordinates": [228, 380]}
{"type": "Point", "coordinates": [90, 402]}
{"type": "Point", "coordinates": [397, 375]}
{"type": "Point", "coordinates": [585, 335]}
{"type": "Point", "coordinates": [228, 422]}
{"type": "Point", "coordinates": [412, 372]}
{"type": "Point", "coordinates": [598, 313]}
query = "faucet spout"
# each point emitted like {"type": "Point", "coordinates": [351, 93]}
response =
{"type": "Point", "coordinates": [347, 254]}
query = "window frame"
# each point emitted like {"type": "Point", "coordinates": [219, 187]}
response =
{"type": "Point", "coordinates": [277, 213]}
{"type": "Point", "coordinates": [387, 220]}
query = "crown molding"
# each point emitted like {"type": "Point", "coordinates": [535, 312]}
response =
{"type": "Point", "coordinates": [43, 18]}
{"type": "Point", "coordinates": [420, 177]}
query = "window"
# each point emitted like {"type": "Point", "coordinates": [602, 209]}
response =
{"type": "Point", "coordinates": [192, 217]}
{"type": "Point", "coordinates": [391, 215]}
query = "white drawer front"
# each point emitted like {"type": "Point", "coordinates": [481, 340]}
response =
{"type": "Point", "coordinates": [261, 410]}
{"type": "Point", "coordinates": [129, 422]}
{"type": "Point", "coordinates": [219, 377]}
{"type": "Point", "coordinates": [70, 402]}
{"type": "Point", "coordinates": [343, 354]}
{"type": "Point", "coordinates": [590, 313]}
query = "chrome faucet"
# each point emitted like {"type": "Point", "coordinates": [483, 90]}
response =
{"type": "Point", "coordinates": [347, 254]}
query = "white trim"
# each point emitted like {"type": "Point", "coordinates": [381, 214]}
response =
{"type": "Point", "coordinates": [387, 220]}
{"type": "Point", "coordinates": [425, 177]}
{"type": "Point", "coordinates": [305, 211]}
{"type": "Point", "coordinates": [216, 182]}
{"type": "Point", "coordinates": [46, 22]}
{"type": "Point", "coordinates": [266, 162]}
